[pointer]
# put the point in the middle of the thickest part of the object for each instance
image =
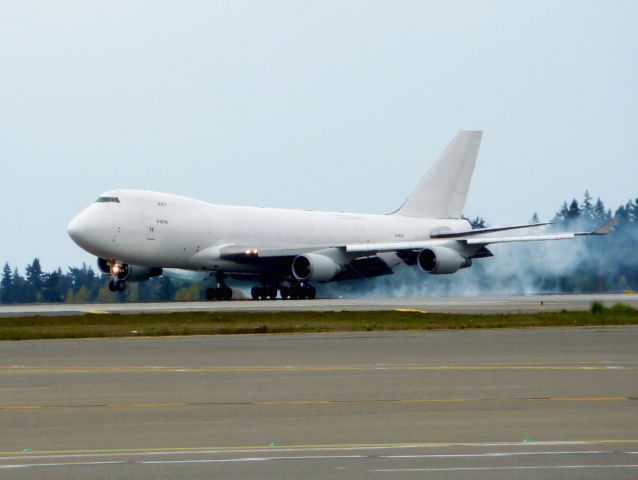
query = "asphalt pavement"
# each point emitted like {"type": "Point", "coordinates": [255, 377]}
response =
{"type": "Point", "coordinates": [550, 403]}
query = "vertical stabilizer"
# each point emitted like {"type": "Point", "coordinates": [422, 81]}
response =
{"type": "Point", "coordinates": [443, 190]}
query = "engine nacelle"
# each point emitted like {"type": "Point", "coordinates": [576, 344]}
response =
{"type": "Point", "coordinates": [315, 267]}
{"type": "Point", "coordinates": [131, 273]}
{"type": "Point", "coordinates": [441, 260]}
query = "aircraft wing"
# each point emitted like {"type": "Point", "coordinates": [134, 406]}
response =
{"type": "Point", "coordinates": [603, 230]}
{"type": "Point", "coordinates": [374, 259]}
{"type": "Point", "coordinates": [475, 237]}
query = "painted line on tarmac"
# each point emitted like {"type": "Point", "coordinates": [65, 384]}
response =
{"type": "Point", "coordinates": [20, 369]}
{"type": "Point", "coordinates": [303, 447]}
{"type": "Point", "coordinates": [287, 403]}
{"type": "Point", "coordinates": [288, 450]}
{"type": "Point", "coordinates": [531, 467]}
{"type": "Point", "coordinates": [276, 458]}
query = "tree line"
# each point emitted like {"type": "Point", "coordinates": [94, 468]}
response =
{"type": "Point", "coordinates": [84, 285]}
{"type": "Point", "coordinates": [610, 265]}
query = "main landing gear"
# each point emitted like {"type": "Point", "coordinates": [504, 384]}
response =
{"type": "Point", "coordinates": [301, 292]}
{"type": "Point", "coordinates": [292, 292]}
{"type": "Point", "coordinates": [263, 293]}
{"type": "Point", "coordinates": [222, 292]}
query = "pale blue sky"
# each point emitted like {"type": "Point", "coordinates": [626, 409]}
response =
{"type": "Point", "coordinates": [323, 105]}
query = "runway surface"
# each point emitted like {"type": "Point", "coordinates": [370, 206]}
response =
{"type": "Point", "coordinates": [548, 403]}
{"type": "Point", "coordinates": [475, 305]}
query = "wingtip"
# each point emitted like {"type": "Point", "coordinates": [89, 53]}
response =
{"type": "Point", "coordinates": [606, 228]}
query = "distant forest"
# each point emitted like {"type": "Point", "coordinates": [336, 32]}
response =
{"type": "Point", "coordinates": [607, 264]}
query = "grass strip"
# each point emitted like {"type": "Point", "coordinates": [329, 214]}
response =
{"type": "Point", "coordinates": [222, 323]}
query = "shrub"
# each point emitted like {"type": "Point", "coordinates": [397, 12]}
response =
{"type": "Point", "coordinates": [597, 308]}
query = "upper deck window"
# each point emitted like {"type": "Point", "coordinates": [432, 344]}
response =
{"type": "Point", "coordinates": [108, 199]}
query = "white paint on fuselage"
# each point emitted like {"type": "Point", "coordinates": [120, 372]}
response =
{"type": "Point", "coordinates": [163, 230]}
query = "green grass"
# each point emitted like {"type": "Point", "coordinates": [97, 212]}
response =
{"type": "Point", "coordinates": [214, 323]}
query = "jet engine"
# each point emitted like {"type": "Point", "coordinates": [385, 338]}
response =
{"type": "Point", "coordinates": [441, 260]}
{"type": "Point", "coordinates": [315, 267]}
{"type": "Point", "coordinates": [131, 273]}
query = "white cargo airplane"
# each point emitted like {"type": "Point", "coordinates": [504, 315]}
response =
{"type": "Point", "coordinates": [135, 234]}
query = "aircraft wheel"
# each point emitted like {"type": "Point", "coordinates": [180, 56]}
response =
{"type": "Point", "coordinates": [210, 294]}
{"type": "Point", "coordinates": [112, 286]}
{"type": "Point", "coordinates": [255, 293]}
{"type": "Point", "coordinates": [285, 293]}
{"type": "Point", "coordinates": [226, 293]}
{"type": "Point", "coordinates": [270, 293]}
{"type": "Point", "coordinates": [120, 286]}
{"type": "Point", "coordinates": [312, 293]}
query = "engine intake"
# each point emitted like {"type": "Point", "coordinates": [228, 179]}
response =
{"type": "Point", "coordinates": [132, 273]}
{"type": "Point", "coordinates": [315, 267]}
{"type": "Point", "coordinates": [441, 260]}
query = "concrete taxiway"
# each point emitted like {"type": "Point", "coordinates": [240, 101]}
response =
{"type": "Point", "coordinates": [474, 305]}
{"type": "Point", "coordinates": [551, 403]}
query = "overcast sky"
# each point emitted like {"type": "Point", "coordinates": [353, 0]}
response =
{"type": "Point", "coordinates": [322, 105]}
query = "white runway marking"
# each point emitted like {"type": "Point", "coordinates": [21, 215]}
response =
{"type": "Point", "coordinates": [535, 467]}
{"type": "Point", "coordinates": [336, 456]}
{"type": "Point", "coordinates": [312, 448]}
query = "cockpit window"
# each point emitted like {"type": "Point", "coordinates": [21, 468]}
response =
{"type": "Point", "coordinates": [107, 199]}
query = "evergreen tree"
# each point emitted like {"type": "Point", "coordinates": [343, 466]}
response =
{"type": "Point", "coordinates": [587, 209]}
{"type": "Point", "coordinates": [6, 285]}
{"type": "Point", "coordinates": [562, 215]}
{"type": "Point", "coordinates": [600, 214]}
{"type": "Point", "coordinates": [534, 218]}
{"type": "Point", "coordinates": [622, 215]}
{"type": "Point", "coordinates": [478, 222]}
{"type": "Point", "coordinates": [19, 287]}
{"type": "Point", "coordinates": [34, 281]}
{"type": "Point", "coordinates": [51, 287]}
{"type": "Point", "coordinates": [632, 207]}
{"type": "Point", "coordinates": [574, 211]}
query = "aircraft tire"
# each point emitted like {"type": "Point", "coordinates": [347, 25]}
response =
{"type": "Point", "coordinates": [312, 293]}
{"type": "Point", "coordinates": [120, 285]}
{"type": "Point", "coordinates": [210, 294]}
{"type": "Point", "coordinates": [255, 293]}
{"type": "Point", "coordinates": [112, 286]}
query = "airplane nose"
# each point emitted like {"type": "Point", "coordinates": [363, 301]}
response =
{"type": "Point", "coordinates": [77, 228]}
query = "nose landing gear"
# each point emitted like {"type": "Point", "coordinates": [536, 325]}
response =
{"type": "Point", "coordinates": [117, 271]}
{"type": "Point", "coordinates": [117, 285]}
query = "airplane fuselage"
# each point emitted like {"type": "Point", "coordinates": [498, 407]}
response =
{"type": "Point", "coordinates": [158, 229]}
